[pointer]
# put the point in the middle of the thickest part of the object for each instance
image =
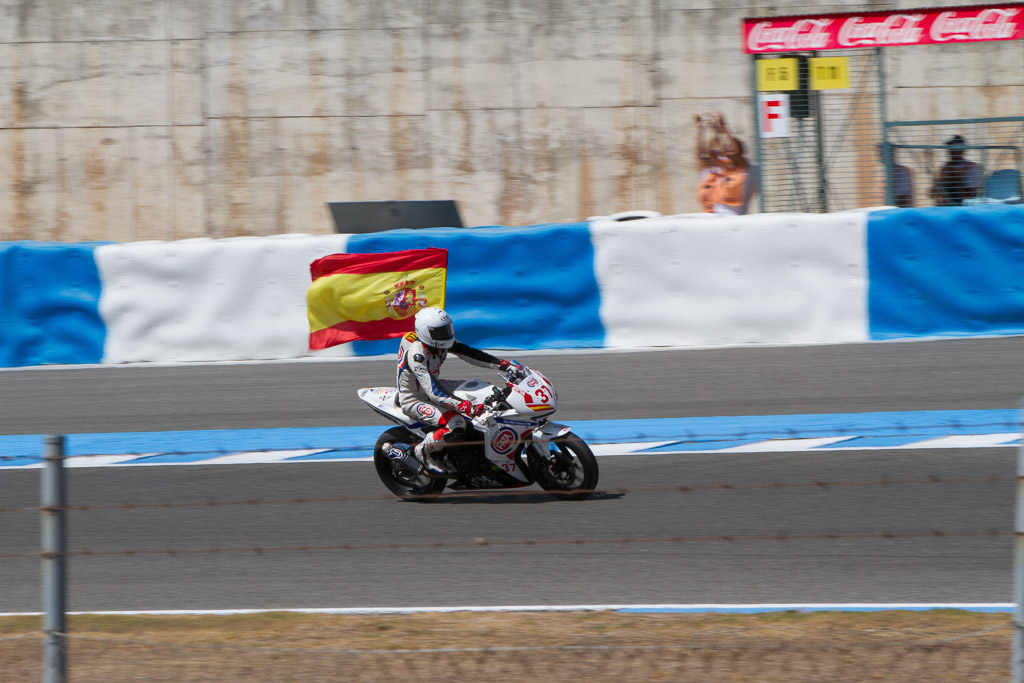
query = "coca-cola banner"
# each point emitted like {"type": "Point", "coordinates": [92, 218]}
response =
{"type": "Point", "coordinates": [883, 29]}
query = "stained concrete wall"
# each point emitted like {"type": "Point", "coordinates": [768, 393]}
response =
{"type": "Point", "coordinates": [168, 119]}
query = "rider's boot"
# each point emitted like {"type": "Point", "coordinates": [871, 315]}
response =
{"type": "Point", "coordinates": [428, 452]}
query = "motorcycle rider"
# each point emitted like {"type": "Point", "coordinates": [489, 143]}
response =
{"type": "Point", "coordinates": [425, 397]}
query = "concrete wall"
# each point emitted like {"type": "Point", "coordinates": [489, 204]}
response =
{"type": "Point", "coordinates": [168, 119]}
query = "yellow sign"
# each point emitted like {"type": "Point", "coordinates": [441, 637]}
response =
{"type": "Point", "coordinates": [777, 74]}
{"type": "Point", "coordinates": [829, 73]}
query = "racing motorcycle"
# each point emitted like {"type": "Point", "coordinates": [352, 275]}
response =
{"type": "Point", "coordinates": [509, 445]}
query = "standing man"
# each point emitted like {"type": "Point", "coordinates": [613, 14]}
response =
{"type": "Point", "coordinates": [901, 177]}
{"type": "Point", "coordinates": [959, 178]}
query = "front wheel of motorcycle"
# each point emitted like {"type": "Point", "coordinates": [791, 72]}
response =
{"type": "Point", "coordinates": [570, 470]}
{"type": "Point", "coordinates": [399, 480]}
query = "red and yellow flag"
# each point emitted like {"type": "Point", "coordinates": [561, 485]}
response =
{"type": "Point", "coordinates": [372, 296]}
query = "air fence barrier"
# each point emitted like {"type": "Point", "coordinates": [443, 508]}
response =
{"type": "Point", "coordinates": [648, 648]}
{"type": "Point", "coordinates": [677, 281]}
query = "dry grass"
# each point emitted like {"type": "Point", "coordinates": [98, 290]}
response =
{"type": "Point", "coordinates": [942, 645]}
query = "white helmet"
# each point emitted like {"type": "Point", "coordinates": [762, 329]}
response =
{"type": "Point", "coordinates": [434, 328]}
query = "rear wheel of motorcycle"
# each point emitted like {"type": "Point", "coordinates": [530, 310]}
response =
{"type": "Point", "coordinates": [400, 481]}
{"type": "Point", "coordinates": [573, 473]}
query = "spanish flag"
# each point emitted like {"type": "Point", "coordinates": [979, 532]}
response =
{"type": "Point", "coordinates": [372, 296]}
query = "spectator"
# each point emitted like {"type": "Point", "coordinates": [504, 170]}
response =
{"type": "Point", "coordinates": [959, 179]}
{"type": "Point", "coordinates": [736, 178]}
{"type": "Point", "coordinates": [705, 162]}
{"type": "Point", "coordinates": [901, 177]}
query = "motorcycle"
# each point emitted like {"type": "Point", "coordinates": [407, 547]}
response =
{"type": "Point", "coordinates": [511, 444]}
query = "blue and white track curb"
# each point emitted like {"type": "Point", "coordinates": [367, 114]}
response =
{"type": "Point", "coordinates": [938, 429]}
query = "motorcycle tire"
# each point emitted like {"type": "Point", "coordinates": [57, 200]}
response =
{"type": "Point", "coordinates": [573, 475]}
{"type": "Point", "coordinates": [400, 481]}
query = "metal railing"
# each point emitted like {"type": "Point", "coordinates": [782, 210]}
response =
{"type": "Point", "coordinates": [995, 144]}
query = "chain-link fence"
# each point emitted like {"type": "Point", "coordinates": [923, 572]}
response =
{"type": "Point", "coordinates": [961, 161]}
{"type": "Point", "coordinates": [835, 157]}
{"type": "Point", "coordinates": [829, 161]}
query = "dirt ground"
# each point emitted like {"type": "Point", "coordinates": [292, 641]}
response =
{"type": "Point", "coordinates": [941, 645]}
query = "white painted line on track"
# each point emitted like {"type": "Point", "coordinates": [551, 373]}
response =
{"type": "Point", "coordinates": [341, 355]}
{"type": "Point", "coordinates": [258, 457]}
{"type": "Point", "coordinates": [699, 608]}
{"type": "Point", "coordinates": [967, 441]}
{"type": "Point", "coordinates": [96, 460]}
{"type": "Point", "coordinates": [606, 449]}
{"type": "Point", "coordinates": [781, 445]}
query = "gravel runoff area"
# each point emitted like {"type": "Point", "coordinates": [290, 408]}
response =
{"type": "Point", "coordinates": [938, 645]}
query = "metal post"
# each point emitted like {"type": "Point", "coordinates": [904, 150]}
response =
{"type": "Point", "coordinates": [819, 147]}
{"type": "Point", "coordinates": [888, 155]}
{"type": "Point", "coordinates": [1017, 651]}
{"type": "Point", "coordinates": [54, 546]}
{"type": "Point", "coordinates": [757, 137]}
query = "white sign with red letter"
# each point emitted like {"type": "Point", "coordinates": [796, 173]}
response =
{"type": "Point", "coordinates": [773, 114]}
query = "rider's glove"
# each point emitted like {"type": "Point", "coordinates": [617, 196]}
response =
{"type": "Point", "coordinates": [505, 364]}
{"type": "Point", "coordinates": [470, 410]}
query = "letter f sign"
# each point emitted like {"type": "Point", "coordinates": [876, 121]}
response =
{"type": "Point", "coordinates": [773, 115]}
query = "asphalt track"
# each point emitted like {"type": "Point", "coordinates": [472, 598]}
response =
{"type": "Point", "coordinates": [504, 549]}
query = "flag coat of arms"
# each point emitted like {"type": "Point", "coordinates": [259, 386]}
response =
{"type": "Point", "coordinates": [372, 296]}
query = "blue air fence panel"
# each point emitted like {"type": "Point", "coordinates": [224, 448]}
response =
{"type": "Point", "coordinates": [49, 299]}
{"type": "Point", "coordinates": [953, 272]}
{"type": "Point", "coordinates": [508, 288]}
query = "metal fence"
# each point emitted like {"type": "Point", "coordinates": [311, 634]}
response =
{"type": "Point", "coordinates": [843, 154]}
{"type": "Point", "coordinates": [923, 147]}
{"type": "Point", "coordinates": [830, 160]}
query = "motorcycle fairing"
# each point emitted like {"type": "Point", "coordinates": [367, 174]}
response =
{"type": "Point", "coordinates": [549, 430]}
{"type": "Point", "coordinates": [503, 445]}
{"type": "Point", "coordinates": [478, 473]}
{"type": "Point", "coordinates": [384, 401]}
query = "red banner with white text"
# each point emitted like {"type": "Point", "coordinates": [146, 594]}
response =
{"type": "Point", "coordinates": [939, 25]}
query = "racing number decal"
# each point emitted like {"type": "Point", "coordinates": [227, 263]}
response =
{"type": "Point", "coordinates": [542, 394]}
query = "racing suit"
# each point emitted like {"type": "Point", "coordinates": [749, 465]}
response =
{"type": "Point", "coordinates": [425, 397]}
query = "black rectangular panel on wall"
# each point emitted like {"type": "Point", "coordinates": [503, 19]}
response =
{"type": "Point", "coordinates": [363, 217]}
